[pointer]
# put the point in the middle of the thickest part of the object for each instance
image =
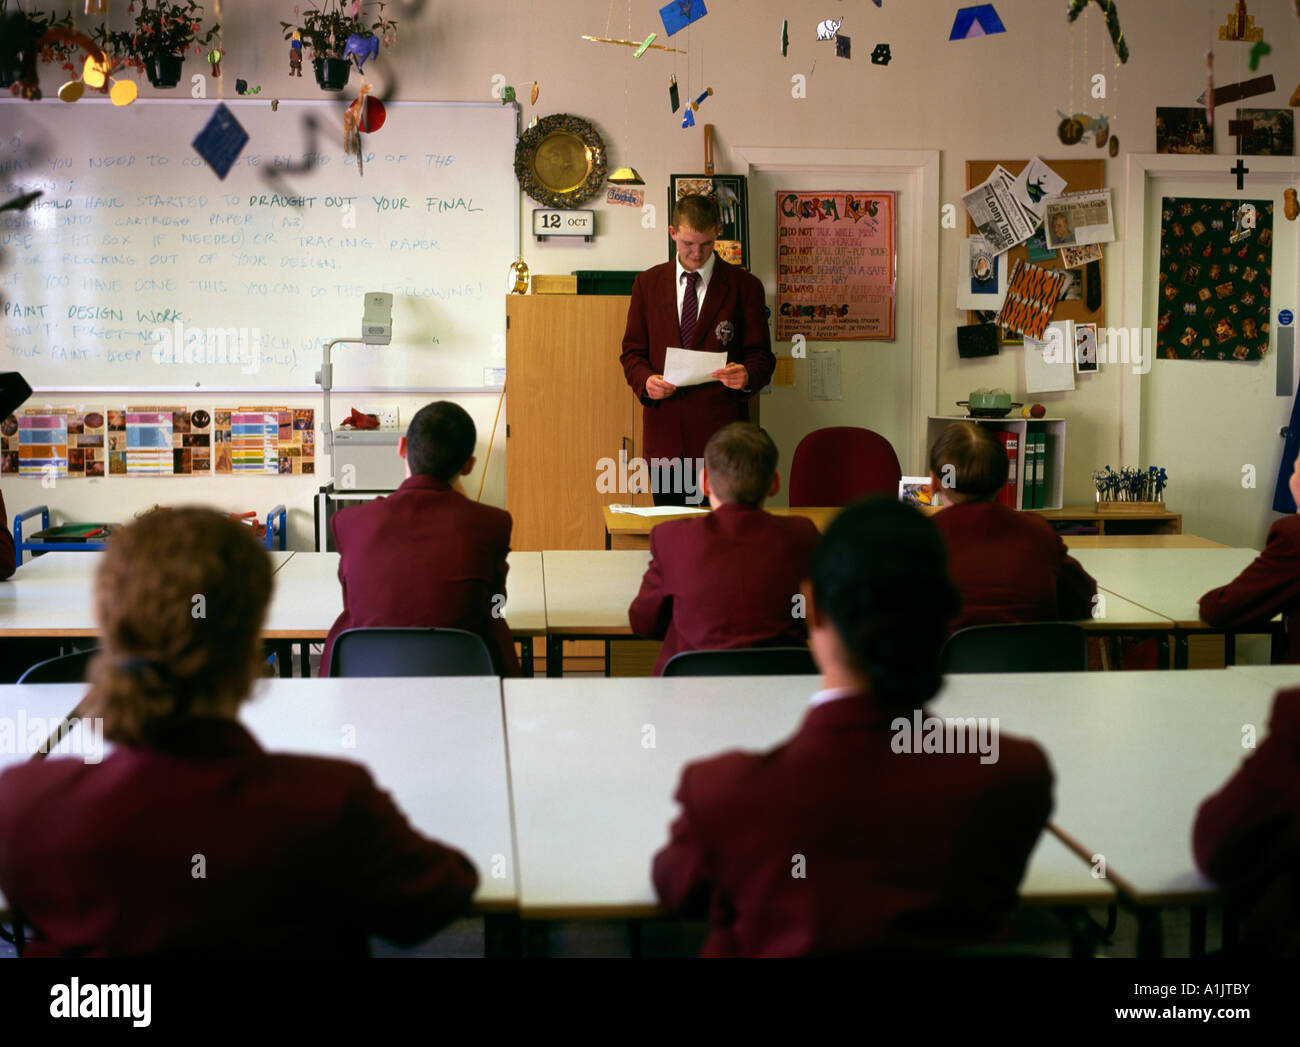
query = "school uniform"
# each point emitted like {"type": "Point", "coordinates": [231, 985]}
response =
{"type": "Point", "coordinates": [731, 318]}
{"type": "Point", "coordinates": [7, 551]}
{"type": "Point", "coordinates": [1011, 567]}
{"type": "Point", "coordinates": [425, 557]}
{"type": "Point", "coordinates": [200, 842]}
{"type": "Point", "coordinates": [1268, 586]}
{"type": "Point", "coordinates": [835, 843]}
{"type": "Point", "coordinates": [1247, 836]}
{"type": "Point", "coordinates": [728, 579]}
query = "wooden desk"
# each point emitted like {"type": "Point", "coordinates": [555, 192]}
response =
{"type": "Point", "coordinates": [592, 806]}
{"type": "Point", "coordinates": [308, 600]}
{"type": "Point", "coordinates": [1134, 754]}
{"type": "Point", "coordinates": [1138, 541]}
{"type": "Point", "coordinates": [629, 531]}
{"type": "Point", "coordinates": [1114, 523]}
{"type": "Point", "coordinates": [437, 745]}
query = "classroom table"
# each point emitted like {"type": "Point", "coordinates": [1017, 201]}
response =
{"type": "Point", "coordinates": [1134, 755]}
{"type": "Point", "coordinates": [24, 704]}
{"type": "Point", "coordinates": [1169, 582]}
{"type": "Point", "coordinates": [629, 531]}
{"type": "Point", "coordinates": [308, 600]}
{"type": "Point", "coordinates": [593, 803]}
{"type": "Point", "coordinates": [588, 592]}
{"type": "Point", "coordinates": [1138, 541]}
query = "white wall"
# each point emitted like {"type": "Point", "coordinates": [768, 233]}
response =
{"type": "Point", "coordinates": [986, 98]}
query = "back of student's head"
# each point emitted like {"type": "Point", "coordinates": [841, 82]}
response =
{"type": "Point", "coordinates": [180, 596]}
{"type": "Point", "coordinates": [698, 212]}
{"type": "Point", "coordinates": [969, 459]}
{"type": "Point", "coordinates": [439, 440]}
{"type": "Point", "coordinates": [741, 460]}
{"type": "Point", "coordinates": [880, 576]}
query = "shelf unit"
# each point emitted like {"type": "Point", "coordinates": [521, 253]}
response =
{"type": "Point", "coordinates": [1054, 491]}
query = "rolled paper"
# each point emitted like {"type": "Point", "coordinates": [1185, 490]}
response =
{"type": "Point", "coordinates": [645, 44]}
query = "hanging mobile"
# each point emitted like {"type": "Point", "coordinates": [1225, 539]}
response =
{"type": "Point", "coordinates": [673, 98]}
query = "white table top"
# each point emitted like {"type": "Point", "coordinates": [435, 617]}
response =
{"type": "Point", "coordinates": [308, 598]}
{"type": "Point", "coordinates": [436, 745]}
{"type": "Point", "coordinates": [1278, 676]}
{"type": "Point", "coordinates": [51, 595]}
{"type": "Point", "coordinates": [1134, 755]}
{"type": "Point", "coordinates": [30, 713]}
{"type": "Point", "coordinates": [592, 805]}
{"type": "Point", "coordinates": [1168, 581]}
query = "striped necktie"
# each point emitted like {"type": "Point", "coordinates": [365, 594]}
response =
{"type": "Point", "coordinates": [690, 309]}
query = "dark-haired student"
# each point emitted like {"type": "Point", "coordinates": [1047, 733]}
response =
{"type": "Point", "coordinates": [1269, 585]}
{"type": "Point", "coordinates": [8, 554]}
{"type": "Point", "coordinates": [426, 556]}
{"type": "Point", "coordinates": [731, 578]}
{"type": "Point", "coordinates": [837, 841]}
{"type": "Point", "coordinates": [1009, 566]}
{"type": "Point", "coordinates": [1247, 836]}
{"type": "Point", "coordinates": [301, 855]}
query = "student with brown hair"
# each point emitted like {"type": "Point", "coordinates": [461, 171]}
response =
{"type": "Point", "coordinates": [696, 301]}
{"type": "Point", "coordinates": [841, 840]}
{"type": "Point", "coordinates": [731, 578]}
{"type": "Point", "coordinates": [301, 855]}
{"type": "Point", "coordinates": [1009, 566]}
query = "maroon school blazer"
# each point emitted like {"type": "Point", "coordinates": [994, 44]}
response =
{"type": "Point", "coordinates": [424, 557]}
{"type": "Point", "coordinates": [1269, 585]}
{"type": "Point", "coordinates": [727, 579]}
{"type": "Point", "coordinates": [299, 855]}
{"type": "Point", "coordinates": [834, 843]}
{"type": "Point", "coordinates": [7, 551]}
{"type": "Point", "coordinates": [1011, 566]}
{"type": "Point", "coordinates": [681, 425]}
{"type": "Point", "coordinates": [1247, 836]}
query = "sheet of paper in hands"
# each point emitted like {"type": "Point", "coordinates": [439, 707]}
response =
{"type": "Point", "coordinates": [1001, 219]}
{"type": "Point", "coordinates": [1034, 184]}
{"type": "Point", "coordinates": [691, 367]}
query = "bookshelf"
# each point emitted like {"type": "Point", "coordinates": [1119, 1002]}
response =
{"type": "Point", "coordinates": [1054, 460]}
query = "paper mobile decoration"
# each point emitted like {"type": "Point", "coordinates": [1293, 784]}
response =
{"type": "Point", "coordinates": [826, 30]}
{"type": "Point", "coordinates": [221, 140]}
{"type": "Point", "coordinates": [980, 20]}
{"type": "Point", "coordinates": [673, 97]}
{"type": "Point", "coordinates": [843, 46]}
{"type": "Point", "coordinates": [681, 13]}
{"type": "Point", "coordinates": [641, 45]}
{"type": "Point", "coordinates": [785, 37]}
{"type": "Point", "coordinates": [1240, 25]}
{"type": "Point", "coordinates": [881, 55]}
{"type": "Point", "coordinates": [1112, 23]}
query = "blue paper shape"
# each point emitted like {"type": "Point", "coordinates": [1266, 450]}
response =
{"type": "Point", "coordinates": [221, 141]}
{"type": "Point", "coordinates": [980, 20]}
{"type": "Point", "coordinates": [688, 118]}
{"type": "Point", "coordinates": [681, 13]}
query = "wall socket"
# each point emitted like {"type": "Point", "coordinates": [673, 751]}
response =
{"type": "Point", "coordinates": [387, 415]}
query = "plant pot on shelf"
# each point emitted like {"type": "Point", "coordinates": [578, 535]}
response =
{"type": "Point", "coordinates": [332, 73]}
{"type": "Point", "coordinates": [163, 70]}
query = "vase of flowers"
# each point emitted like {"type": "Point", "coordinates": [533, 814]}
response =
{"type": "Point", "coordinates": [156, 45]}
{"type": "Point", "coordinates": [336, 32]}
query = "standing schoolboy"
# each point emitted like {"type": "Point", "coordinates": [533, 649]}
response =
{"type": "Point", "coordinates": [426, 556]}
{"type": "Point", "coordinates": [731, 578]}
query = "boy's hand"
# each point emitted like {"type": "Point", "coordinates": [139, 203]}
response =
{"type": "Point", "coordinates": [657, 389]}
{"type": "Point", "coordinates": [733, 376]}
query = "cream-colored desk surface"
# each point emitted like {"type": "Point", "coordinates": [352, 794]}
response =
{"type": "Point", "coordinates": [437, 746]}
{"type": "Point", "coordinates": [1134, 755]}
{"type": "Point", "coordinates": [629, 531]}
{"type": "Point", "coordinates": [1168, 581]}
{"type": "Point", "coordinates": [588, 592]}
{"type": "Point", "coordinates": [52, 595]}
{"type": "Point", "coordinates": [30, 713]}
{"type": "Point", "coordinates": [308, 599]}
{"type": "Point", "coordinates": [1138, 541]}
{"type": "Point", "coordinates": [1277, 676]}
{"type": "Point", "coordinates": [593, 803]}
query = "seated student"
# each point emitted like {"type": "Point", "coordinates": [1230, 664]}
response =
{"type": "Point", "coordinates": [842, 839]}
{"type": "Point", "coordinates": [1009, 566]}
{"type": "Point", "coordinates": [8, 558]}
{"type": "Point", "coordinates": [728, 579]}
{"type": "Point", "coordinates": [1269, 585]}
{"type": "Point", "coordinates": [300, 855]}
{"type": "Point", "coordinates": [426, 556]}
{"type": "Point", "coordinates": [1247, 836]}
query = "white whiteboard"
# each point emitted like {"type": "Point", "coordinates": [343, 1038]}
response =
{"type": "Point", "coordinates": [135, 233]}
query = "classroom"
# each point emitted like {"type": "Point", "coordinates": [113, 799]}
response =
{"type": "Point", "coordinates": [1073, 223]}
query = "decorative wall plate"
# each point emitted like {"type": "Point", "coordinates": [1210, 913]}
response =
{"type": "Point", "coordinates": [561, 162]}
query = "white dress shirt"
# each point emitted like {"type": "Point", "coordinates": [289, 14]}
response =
{"type": "Point", "coordinates": [830, 695]}
{"type": "Point", "coordinates": [705, 271]}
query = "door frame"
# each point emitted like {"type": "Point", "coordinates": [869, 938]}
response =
{"type": "Point", "coordinates": [921, 169]}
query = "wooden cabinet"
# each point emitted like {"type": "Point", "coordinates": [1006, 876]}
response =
{"type": "Point", "coordinates": [568, 409]}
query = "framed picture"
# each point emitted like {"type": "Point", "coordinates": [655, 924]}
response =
{"type": "Point", "coordinates": [732, 194]}
{"type": "Point", "coordinates": [1183, 129]}
{"type": "Point", "coordinates": [1271, 132]}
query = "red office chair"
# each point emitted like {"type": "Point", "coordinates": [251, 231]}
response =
{"type": "Point", "coordinates": [833, 466]}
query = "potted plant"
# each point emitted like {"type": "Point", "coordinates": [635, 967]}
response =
{"type": "Point", "coordinates": [157, 43]}
{"type": "Point", "coordinates": [332, 35]}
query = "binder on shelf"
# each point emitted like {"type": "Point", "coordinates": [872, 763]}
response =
{"type": "Point", "coordinates": [1040, 470]}
{"type": "Point", "coordinates": [1011, 445]}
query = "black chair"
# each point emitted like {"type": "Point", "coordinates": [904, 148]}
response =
{"type": "Point", "coordinates": [751, 661]}
{"type": "Point", "coordinates": [66, 668]}
{"type": "Point", "coordinates": [410, 652]}
{"type": "Point", "coordinates": [1032, 647]}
